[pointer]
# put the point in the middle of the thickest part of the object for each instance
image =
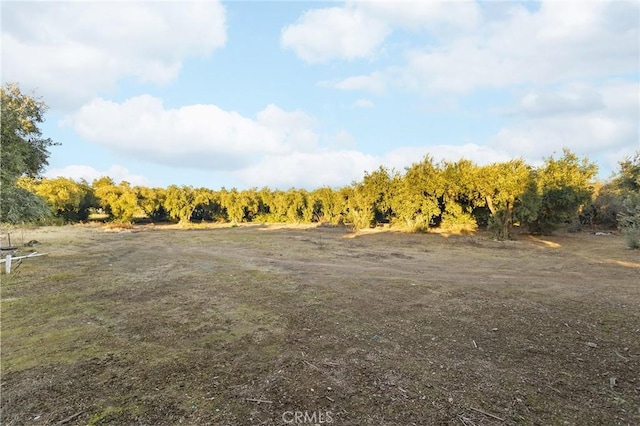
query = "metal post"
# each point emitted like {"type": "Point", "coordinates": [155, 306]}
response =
{"type": "Point", "coordinates": [7, 264]}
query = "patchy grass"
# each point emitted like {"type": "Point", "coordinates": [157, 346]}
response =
{"type": "Point", "coordinates": [241, 325]}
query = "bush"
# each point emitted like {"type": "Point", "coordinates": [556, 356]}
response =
{"type": "Point", "coordinates": [629, 220]}
{"type": "Point", "coordinates": [462, 222]}
{"type": "Point", "coordinates": [17, 205]}
{"type": "Point", "coordinates": [632, 238]}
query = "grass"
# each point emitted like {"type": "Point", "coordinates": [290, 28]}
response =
{"type": "Point", "coordinates": [159, 325]}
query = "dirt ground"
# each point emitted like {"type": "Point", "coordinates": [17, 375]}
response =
{"type": "Point", "coordinates": [267, 325]}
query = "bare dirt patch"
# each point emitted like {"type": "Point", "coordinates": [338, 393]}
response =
{"type": "Point", "coordinates": [257, 324]}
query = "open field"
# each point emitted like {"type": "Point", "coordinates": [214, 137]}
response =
{"type": "Point", "coordinates": [248, 325]}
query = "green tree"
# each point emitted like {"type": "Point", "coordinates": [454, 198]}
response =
{"type": "Point", "coordinates": [182, 202]}
{"type": "Point", "coordinates": [24, 153]}
{"type": "Point", "coordinates": [233, 202]}
{"type": "Point", "coordinates": [68, 199]}
{"type": "Point", "coordinates": [628, 177]}
{"type": "Point", "coordinates": [120, 202]}
{"type": "Point", "coordinates": [417, 195]}
{"type": "Point", "coordinates": [627, 183]}
{"type": "Point", "coordinates": [329, 204]}
{"type": "Point", "coordinates": [502, 185]}
{"type": "Point", "coordinates": [151, 201]}
{"type": "Point", "coordinates": [461, 196]}
{"type": "Point", "coordinates": [565, 186]}
{"type": "Point", "coordinates": [375, 194]}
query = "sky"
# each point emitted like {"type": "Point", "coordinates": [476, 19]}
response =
{"type": "Point", "coordinates": [308, 94]}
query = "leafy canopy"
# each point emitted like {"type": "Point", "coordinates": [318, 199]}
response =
{"type": "Point", "coordinates": [24, 153]}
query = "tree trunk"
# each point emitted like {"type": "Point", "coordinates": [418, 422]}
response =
{"type": "Point", "coordinates": [492, 208]}
{"type": "Point", "coordinates": [506, 221]}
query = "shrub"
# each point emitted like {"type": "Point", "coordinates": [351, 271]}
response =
{"type": "Point", "coordinates": [632, 238]}
{"type": "Point", "coordinates": [629, 219]}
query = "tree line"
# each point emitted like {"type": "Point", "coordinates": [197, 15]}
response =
{"type": "Point", "coordinates": [501, 197]}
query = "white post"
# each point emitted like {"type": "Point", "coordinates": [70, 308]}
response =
{"type": "Point", "coordinates": [7, 264]}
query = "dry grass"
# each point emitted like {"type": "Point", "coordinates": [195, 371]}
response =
{"type": "Point", "coordinates": [238, 326]}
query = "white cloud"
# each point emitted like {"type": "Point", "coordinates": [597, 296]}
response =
{"type": "Point", "coordinates": [561, 41]}
{"type": "Point", "coordinates": [70, 51]}
{"type": "Point", "coordinates": [276, 148]}
{"type": "Point", "coordinates": [321, 35]}
{"type": "Point", "coordinates": [364, 103]}
{"type": "Point", "coordinates": [201, 136]}
{"type": "Point", "coordinates": [555, 43]}
{"type": "Point", "coordinates": [374, 83]}
{"type": "Point", "coordinates": [561, 102]}
{"type": "Point", "coordinates": [431, 16]}
{"type": "Point", "coordinates": [88, 173]}
{"type": "Point", "coordinates": [588, 122]}
{"type": "Point", "coordinates": [308, 170]}
{"type": "Point", "coordinates": [340, 167]}
{"type": "Point", "coordinates": [401, 158]}
{"type": "Point", "coordinates": [358, 28]}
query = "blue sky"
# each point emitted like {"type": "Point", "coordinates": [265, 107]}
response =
{"type": "Point", "coordinates": [308, 94]}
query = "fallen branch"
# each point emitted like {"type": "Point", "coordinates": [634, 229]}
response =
{"type": "Point", "coordinates": [552, 388]}
{"type": "Point", "coordinates": [70, 418]}
{"type": "Point", "coordinates": [624, 358]}
{"type": "Point", "coordinates": [258, 400]}
{"type": "Point", "coordinates": [466, 421]}
{"type": "Point", "coordinates": [311, 365]}
{"type": "Point", "coordinates": [487, 414]}
{"type": "Point", "coordinates": [330, 399]}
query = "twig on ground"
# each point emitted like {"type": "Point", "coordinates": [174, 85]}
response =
{"type": "Point", "coordinates": [466, 421]}
{"type": "Point", "coordinates": [552, 388]}
{"type": "Point", "coordinates": [624, 358]}
{"type": "Point", "coordinates": [487, 414]}
{"type": "Point", "coordinates": [258, 400]}
{"type": "Point", "coordinates": [311, 365]}
{"type": "Point", "coordinates": [330, 399]}
{"type": "Point", "coordinates": [70, 418]}
{"type": "Point", "coordinates": [474, 344]}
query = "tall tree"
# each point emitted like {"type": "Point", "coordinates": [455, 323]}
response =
{"type": "Point", "coordinates": [461, 194]}
{"type": "Point", "coordinates": [565, 186]}
{"type": "Point", "coordinates": [627, 182]}
{"type": "Point", "coordinates": [417, 195]}
{"type": "Point", "coordinates": [24, 153]}
{"type": "Point", "coordinates": [68, 199]}
{"type": "Point", "coordinates": [502, 185]}
{"type": "Point", "coordinates": [151, 201]}
{"type": "Point", "coordinates": [376, 192]}
{"type": "Point", "coordinates": [628, 177]}
{"type": "Point", "coordinates": [181, 202]}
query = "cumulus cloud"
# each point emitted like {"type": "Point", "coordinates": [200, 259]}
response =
{"type": "Point", "coordinates": [474, 47]}
{"type": "Point", "coordinates": [308, 170]}
{"type": "Point", "coordinates": [116, 172]}
{"type": "Point", "coordinates": [401, 158]}
{"type": "Point", "coordinates": [561, 102]}
{"type": "Point", "coordinates": [358, 28]}
{"type": "Point", "coordinates": [321, 35]}
{"type": "Point", "coordinates": [589, 122]}
{"type": "Point", "coordinates": [561, 41]}
{"type": "Point", "coordinates": [70, 51]}
{"type": "Point", "coordinates": [200, 136]}
{"type": "Point", "coordinates": [339, 167]}
{"type": "Point", "coordinates": [276, 148]}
